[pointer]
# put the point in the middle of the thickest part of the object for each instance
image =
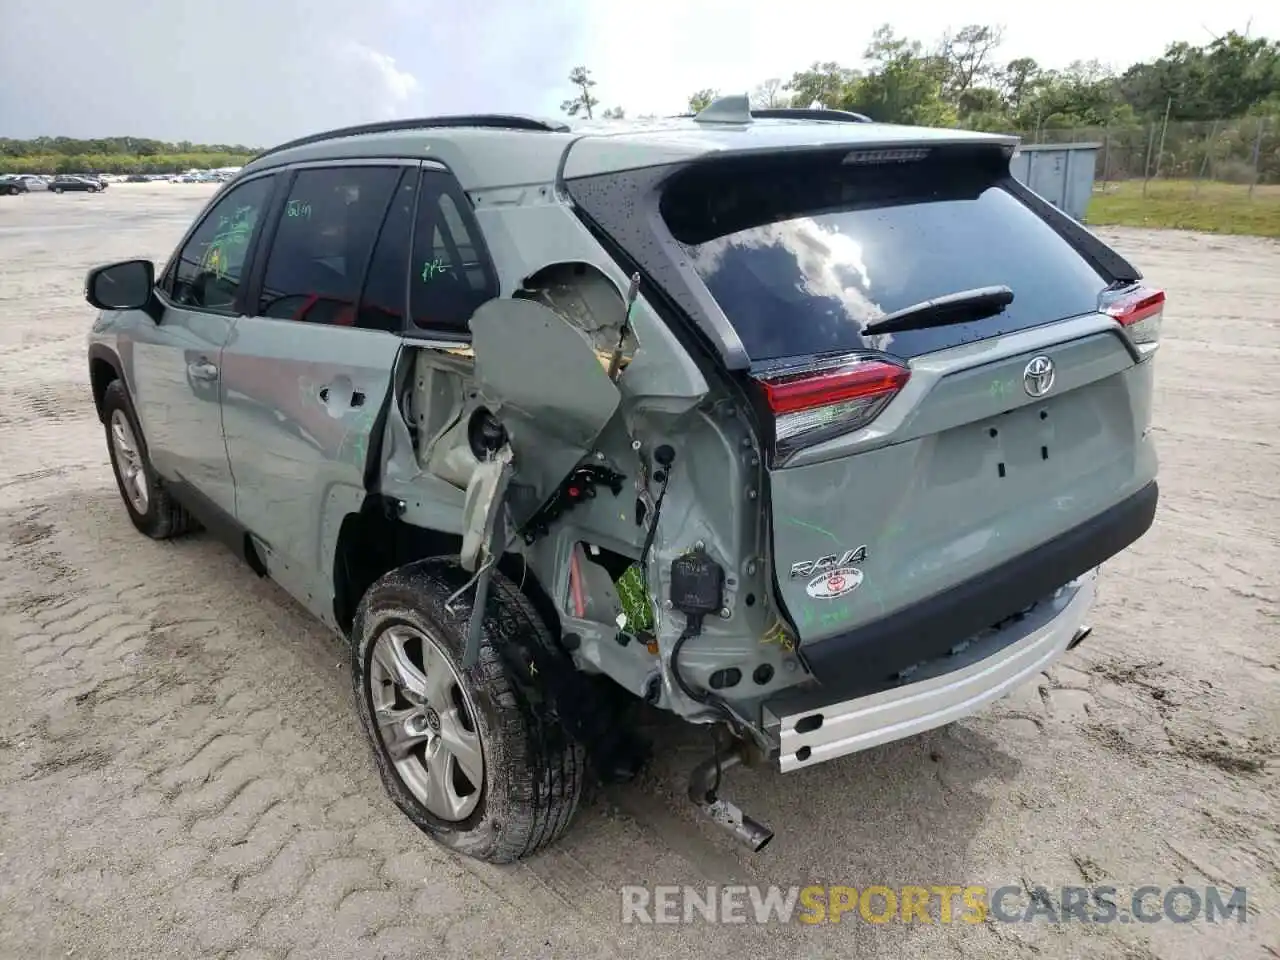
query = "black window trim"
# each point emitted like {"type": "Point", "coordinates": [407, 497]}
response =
{"type": "Point", "coordinates": [264, 233]}
{"type": "Point", "coordinates": [377, 239]}
{"type": "Point", "coordinates": [164, 286]}
{"type": "Point", "coordinates": [253, 289]}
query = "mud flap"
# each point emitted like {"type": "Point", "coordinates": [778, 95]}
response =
{"type": "Point", "coordinates": [547, 385]}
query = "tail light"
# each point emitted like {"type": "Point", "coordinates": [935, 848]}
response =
{"type": "Point", "coordinates": [1139, 309]}
{"type": "Point", "coordinates": [824, 400]}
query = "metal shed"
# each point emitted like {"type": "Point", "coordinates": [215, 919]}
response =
{"type": "Point", "coordinates": [1062, 173]}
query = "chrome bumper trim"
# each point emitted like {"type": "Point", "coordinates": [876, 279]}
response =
{"type": "Point", "coordinates": [915, 707]}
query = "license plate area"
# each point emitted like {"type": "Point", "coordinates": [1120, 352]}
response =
{"type": "Point", "coordinates": [1024, 440]}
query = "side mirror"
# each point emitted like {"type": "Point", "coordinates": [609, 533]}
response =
{"type": "Point", "coordinates": [121, 286]}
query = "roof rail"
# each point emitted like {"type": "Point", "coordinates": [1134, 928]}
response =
{"type": "Point", "coordinates": [787, 113]}
{"type": "Point", "coordinates": [498, 121]}
{"type": "Point", "coordinates": [811, 113]}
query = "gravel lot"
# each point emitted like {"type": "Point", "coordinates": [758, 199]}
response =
{"type": "Point", "coordinates": [182, 774]}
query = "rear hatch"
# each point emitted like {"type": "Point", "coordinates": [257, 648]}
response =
{"type": "Point", "coordinates": [908, 462]}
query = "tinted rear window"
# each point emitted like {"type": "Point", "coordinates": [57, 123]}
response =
{"type": "Point", "coordinates": [801, 257]}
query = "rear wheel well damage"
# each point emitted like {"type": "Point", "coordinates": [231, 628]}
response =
{"type": "Point", "coordinates": [375, 541]}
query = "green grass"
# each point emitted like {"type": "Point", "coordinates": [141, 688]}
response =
{"type": "Point", "coordinates": [1186, 205]}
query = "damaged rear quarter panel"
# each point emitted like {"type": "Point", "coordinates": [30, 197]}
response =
{"type": "Point", "coordinates": [558, 409]}
{"type": "Point", "coordinates": [545, 383]}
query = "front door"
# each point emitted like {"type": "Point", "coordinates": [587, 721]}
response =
{"type": "Point", "coordinates": [175, 365]}
{"type": "Point", "coordinates": [305, 377]}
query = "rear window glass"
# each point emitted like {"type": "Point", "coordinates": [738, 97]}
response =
{"type": "Point", "coordinates": [801, 258]}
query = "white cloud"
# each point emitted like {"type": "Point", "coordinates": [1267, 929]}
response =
{"type": "Point", "coordinates": [392, 90]}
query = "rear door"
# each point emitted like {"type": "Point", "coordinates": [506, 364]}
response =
{"type": "Point", "coordinates": [907, 463]}
{"type": "Point", "coordinates": [304, 377]}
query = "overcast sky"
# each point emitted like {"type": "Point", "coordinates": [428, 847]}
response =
{"type": "Point", "coordinates": [261, 71]}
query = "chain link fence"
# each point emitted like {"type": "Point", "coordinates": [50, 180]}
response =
{"type": "Point", "coordinates": [1243, 151]}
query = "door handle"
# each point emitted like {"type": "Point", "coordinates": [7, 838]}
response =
{"type": "Point", "coordinates": [203, 370]}
{"type": "Point", "coordinates": [357, 396]}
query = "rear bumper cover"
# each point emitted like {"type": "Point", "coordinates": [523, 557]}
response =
{"type": "Point", "coordinates": [991, 668]}
{"type": "Point", "coordinates": [867, 658]}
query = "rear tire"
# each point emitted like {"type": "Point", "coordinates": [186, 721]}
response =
{"type": "Point", "coordinates": [151, 508]}
{"type": "Point", "coordinates": [533, 770]}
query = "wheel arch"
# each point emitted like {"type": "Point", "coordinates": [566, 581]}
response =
{"type": "Point", "coordinates": [104, 367]}
{"type": "Point", "coordinates": [375, 541]}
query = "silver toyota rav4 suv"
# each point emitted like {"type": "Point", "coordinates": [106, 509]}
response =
{"type": "Point", "coordinates": [809, 429]}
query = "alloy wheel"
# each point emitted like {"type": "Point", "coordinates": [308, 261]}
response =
{"type": "Point", "coordinates": [129, 465]}
{"type": "Point", "coordinates": [426, 722]}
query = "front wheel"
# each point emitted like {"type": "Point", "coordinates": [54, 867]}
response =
{"type": "Point", "coordinates": [478, 759]}
{"type": "Point", "coordinates": [150, 507]}
{"type": "Point", "coordinates": [57, 189]}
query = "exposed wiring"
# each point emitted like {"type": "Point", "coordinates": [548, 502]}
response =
{"type": "Point", "coordinates": [692, 627]}
{"type": "Point", "coordinates": [480, 571]}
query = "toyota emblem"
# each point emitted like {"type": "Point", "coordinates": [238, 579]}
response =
{"type": "Point", "coordinates": [1037, 376]}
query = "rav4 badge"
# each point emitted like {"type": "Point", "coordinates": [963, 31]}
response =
{"type": "Point", "coordinates": [805, 568]}
{"type": "Point", "coordinates": [834, 583]}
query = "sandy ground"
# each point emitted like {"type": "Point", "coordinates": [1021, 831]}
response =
{"type": "Point", "coordinates": [181, 771]}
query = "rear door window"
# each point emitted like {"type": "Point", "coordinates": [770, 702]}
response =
{"type": "Point", "coordinates": [451, 274]}
{"type": "Point", "coordinates": [325, 234]}
{"type": "Point", "coordinates": [800, 258]}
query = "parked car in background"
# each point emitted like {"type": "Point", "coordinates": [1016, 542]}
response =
{"type": "Point", "coordinates": [65, 183]}
{"type": "Point", "coordinates": [32, 180]}
{"type": "Point", "coordinates": [11, 185]}
{"type": "Point", "coordinates": [137, 178]}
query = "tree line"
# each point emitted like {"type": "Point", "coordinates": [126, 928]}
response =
{"type": "Point", "coordinates": [116, 155]}
{"type": "Point", "coordinates": [1214, 104]}
{"type": "Point", "coordinates": [1215, 108]}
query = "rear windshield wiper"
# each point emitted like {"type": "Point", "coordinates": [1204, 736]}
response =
{"type": "Point", "coordinates": [962, 307]}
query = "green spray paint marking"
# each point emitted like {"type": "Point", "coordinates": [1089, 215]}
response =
{"type": "Point", "coordinates": [232, 237]}
{"type": "Point", "coordinates": [812, 526]}
{"type": "Point", "coordinates": [825, 618]}
{"type": "Point", "coordinates": [1001, 388]}
{"type": "Point", "coordinates": [432, 268]}
{"type": "Point", "coordinates": [298, 208]}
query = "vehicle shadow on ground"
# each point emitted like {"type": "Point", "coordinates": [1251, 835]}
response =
{"type": "Point", "coordinates": [899, 813]}
{"type": "Point", "coordinates": [902, 813]}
